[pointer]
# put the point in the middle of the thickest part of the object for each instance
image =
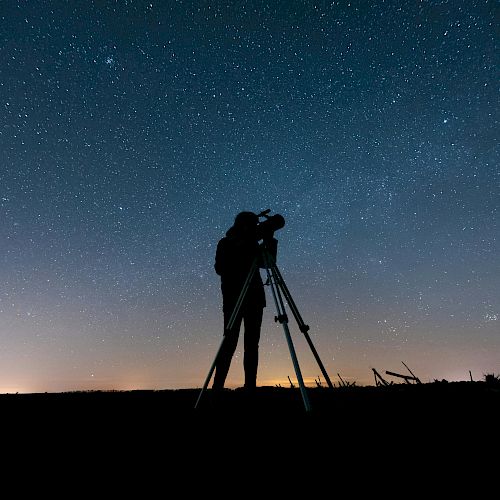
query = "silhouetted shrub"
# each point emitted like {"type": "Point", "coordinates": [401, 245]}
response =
{"type": "Point", "coordinates": [492, 379]}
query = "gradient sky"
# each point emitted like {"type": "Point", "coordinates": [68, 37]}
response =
{"type": "Point", "coordinates": [132, 132]}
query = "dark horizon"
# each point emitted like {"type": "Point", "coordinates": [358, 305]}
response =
{"type": "Point", "coordinates": [491, 380]}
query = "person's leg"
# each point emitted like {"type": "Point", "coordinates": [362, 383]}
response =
{"type": "Point", "coordinates": [252, 322]}
{"type": "Point", "coordinates": [226, 352]}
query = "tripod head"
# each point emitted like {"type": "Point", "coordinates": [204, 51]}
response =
{"type": "Point", "coordinates": [265, 232]}
{"type": "Point", "coordinates": [272, 223]}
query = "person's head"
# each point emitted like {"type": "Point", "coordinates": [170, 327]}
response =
{"type": "Point", "coordinates": [246, 222]}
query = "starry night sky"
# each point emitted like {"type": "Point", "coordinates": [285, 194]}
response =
{"type": "Point", "coordinates": [132, 132]}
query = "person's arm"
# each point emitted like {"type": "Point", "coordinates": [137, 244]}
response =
{"type": "Point", "coordinates": [221, 258]}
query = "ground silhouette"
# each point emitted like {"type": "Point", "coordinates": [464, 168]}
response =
{"type": "Point", "coordinates": [420, 405]}
{"type": "Point", "coordinates": [267, 442]}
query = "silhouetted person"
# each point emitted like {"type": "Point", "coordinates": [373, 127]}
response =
{"type": "Point", "coordinates": [235, 254]}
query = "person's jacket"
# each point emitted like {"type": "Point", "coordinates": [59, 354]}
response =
{"type": "Point", "coordinates": [235, 254]}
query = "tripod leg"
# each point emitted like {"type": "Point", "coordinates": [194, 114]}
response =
{"type": "Point", "coordinates": [302, 326]}
{"type": "Point", "coordinates": [282, 318]}
{"type": "Point", "coordinates": [209, 376]}
{"type": "Point", "coordinates": [229, 325]}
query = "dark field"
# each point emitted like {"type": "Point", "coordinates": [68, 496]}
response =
{"type": "Point", "coordinates": [149, 440]}
{"type": "Point", "coordinates": [400, 405]}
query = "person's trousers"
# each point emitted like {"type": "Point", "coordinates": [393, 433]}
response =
{"type": "Point", "coordinates": [251, 317]}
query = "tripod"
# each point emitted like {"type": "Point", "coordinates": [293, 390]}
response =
{"type": "Point", "coordinates": [266, 260]}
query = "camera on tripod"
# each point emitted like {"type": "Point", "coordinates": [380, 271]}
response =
{"type": "Point", "coordinates": [266, 228]}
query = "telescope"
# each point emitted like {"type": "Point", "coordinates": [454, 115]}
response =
{"type": "Point", "coordinates": [266, 228]}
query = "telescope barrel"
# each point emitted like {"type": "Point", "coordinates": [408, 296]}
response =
{"type": "Point", "coordinates": [267, 228]}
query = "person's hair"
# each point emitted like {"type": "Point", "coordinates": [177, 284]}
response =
{"type": "Point", "coordinates": [246, 218]}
